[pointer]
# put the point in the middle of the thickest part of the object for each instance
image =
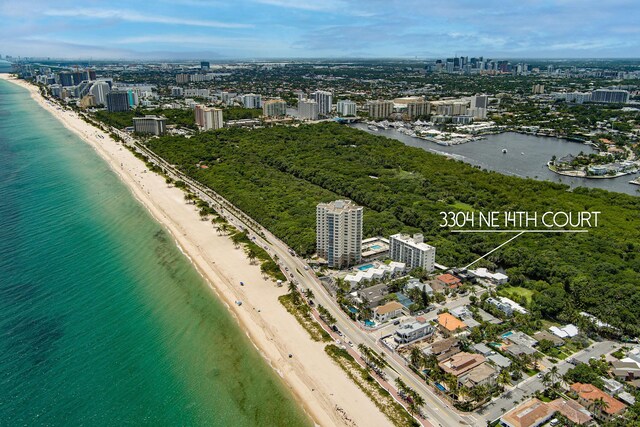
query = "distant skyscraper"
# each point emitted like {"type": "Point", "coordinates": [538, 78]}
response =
{"type": "Point", "coordinates": [324, 100]}
{"type": "Point", "coordinates": [480, 101]}
{"type": "Point", "coordinates": [251, 100]}
{"type": "Point", "coordinates": [182, 78]}
{"type": "Point", "coordinates": [308, 109]}
{"type": "Point", "coordinates": [204, 65]}
{"type": "Point", "coordinates": [339, 233]}
{"type": "Point", "coordinates": [346, 108]}
{"type": "Point", "coordinates": [274, 108]}
{"type": "Point", "coordinates": [537, 89]}
{"type": "Point", "coordinates": [208, 118]}
{"type": "Point", "coordinates": [100, 90]}
{"type": "Point", "coordinates": [66, 79]}
{"type": "Point", "coordinates": [150, 125]}
{"type": "Point", "coordinates": [117, 101]}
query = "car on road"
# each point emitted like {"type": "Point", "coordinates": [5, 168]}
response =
{"type": "Point", "coordinates": [539, 375]}
{"type": "Point", "coordinates": [397, 322]}
{"type": "Point", "coordinates": [306, 268]}
{"type": "Point", "coordinates": [573, 361]}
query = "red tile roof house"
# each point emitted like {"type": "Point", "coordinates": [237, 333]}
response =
{"type": "Point", "coordinates": [588, 394]}
{"type": "Point", "coordinates": [448, 280]}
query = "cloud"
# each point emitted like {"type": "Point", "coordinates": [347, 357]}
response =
{"type": "Point", "coordinates": [133, 16]}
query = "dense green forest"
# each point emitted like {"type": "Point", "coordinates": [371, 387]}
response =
{"type": "Point", "coordinates": [278, 175]}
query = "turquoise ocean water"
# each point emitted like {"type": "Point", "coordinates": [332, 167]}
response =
{"type": "Point", "coordinates": [102, 320]}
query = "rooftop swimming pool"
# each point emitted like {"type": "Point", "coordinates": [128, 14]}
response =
{"type": "Point", "coordinates": [376, 247]}
{"type": "Point", "coordinates": [365, 267]}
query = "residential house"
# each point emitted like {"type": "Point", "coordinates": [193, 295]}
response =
{"type": "Point", "coordinates": [444, 349]}
{"type": "Point", "coordinates": [448, 281]}
{"type": "Point", "coordinates": [611, 386]}
{"type": "Point", "coordinates": [499, 360]}
{"type": "Point", "coordinates": [483, 349]}
{"type": "Point", "coordinates": [531, 413]}
{"type": "Point", "coordinates": [461, 363]}
{"type": "Point", "coordinates": [388, 311]}
{"type": "Point", "coordinates": [544, 335]}
{"type": "Point", "coordinates": [572, 410]}
{"type": "Point", "coordinates": [567, 331]}
{"type": "Point", "coordinates": [373, 294]}
{"type": "Point", "coordinates": [417, 284]}
{"type": "Point", "coordinates": [483, 374]}
{"type": "Point", "coordinates": [588, 394]}
{"type": "Point", "coordinates": [413, 331]}
{"type": "Point", "coordinates": [626, 370]}
{"type": "Point", "coordinates": [449, 324]}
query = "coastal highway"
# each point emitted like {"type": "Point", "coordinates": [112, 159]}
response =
{"type": "Point", "coordinates": [437, 412]}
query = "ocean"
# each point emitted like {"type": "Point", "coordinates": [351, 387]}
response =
{"type": "Point", "coordinates": [103, 321]}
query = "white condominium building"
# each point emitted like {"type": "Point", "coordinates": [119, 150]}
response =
{"type": "Point", "coordinates": [346, 108]}
{"type": "Point", "coordinates": [251, 100]}
{"type": "Point", "coordinates": [150, 125]}
{"type": "Point", "coordinates": [274, 108]}
{"type": "Point", "coordinates": [308, 109]}
{"type": "Point", "coordinates": [324, 100]}
{"type": "Point", "coordinates": [412, 251]}
{"type": "Point", "coordinates": [208, 118]}
{"type": "Point", "coordinates": [339, 233]}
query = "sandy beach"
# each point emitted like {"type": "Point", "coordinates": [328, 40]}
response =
{"type": "Point", "coordinates": [322, 388]}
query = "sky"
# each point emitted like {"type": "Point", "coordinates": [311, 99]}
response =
{"type": "Point", "coordinates": [262, 29]}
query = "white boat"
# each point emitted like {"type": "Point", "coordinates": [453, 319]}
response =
{"type": "Point", "coordinates": [504, 151]}
{"type": "Point", "coordinates": [372, 128]}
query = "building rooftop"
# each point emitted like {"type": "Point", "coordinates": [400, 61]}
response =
{"type": "Point", "coordinates": [571, 409]}
{"type": "Point", "coordinates": [388, 307]}
{"type": "Point", "coordinates": [590, 392]}
{"type": "Point", "coordinates": [448, 279]}
{"type": "Point", "coordinates": [499, 360]}
{"type": "Point", "coordinates": [460, 363]}
{"type": "Point", "coordinates": [528, 414]}
{"type": "Point", "coordinates": [544, 335]}
{"type": "Point", "coordinates": [444, 345]}
{"type": "Point", "coordinates": [450, 323]}
{"type": "Point", "coordinates": [479, 374]}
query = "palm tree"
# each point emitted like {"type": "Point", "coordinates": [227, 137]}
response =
{"type": "Point", "coordinates": [535, 357]}
{"type": "Point", "coordinates": [416, 357]}
{"type": "Point", "coordinates": [504, 378]}
{"type": "Point", "coordinates": [293, 291]}
{"type": "Point", "coordinates": [401, 385]}
{"type": "Point", "coordinates": [309, 294]}
{"type": "Point", "coordinates": [599, 405]}
{"type": "Point", "coordinates": [547, 381]}
{"type": "Point", "coordinates": [251, 254]}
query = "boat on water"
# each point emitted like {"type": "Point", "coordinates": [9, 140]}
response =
{"type": "Point", "coordinates": [504, 151]}
{"type": "Point", "coordinates": [372, 128]}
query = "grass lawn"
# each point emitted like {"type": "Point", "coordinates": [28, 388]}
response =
{"type": "Point", "coordinates": [462, 206]}
{"type": "Point", "coordinates": [516, 292]}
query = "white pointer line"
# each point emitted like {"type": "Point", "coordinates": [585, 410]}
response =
{"type": "Point", "coordinates": [519, 231]}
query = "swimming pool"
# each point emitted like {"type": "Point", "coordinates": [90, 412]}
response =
{"type": "Point", "coordinates": [365, 267]}
{"type": "Point", "coordinates": [376, 247]}
{"type": "Point", "coordinates": [353, 310]}
{"type": "Point", "coordinates": [507, 334]}
{"type": "Point", "coordinates": [369, 323]}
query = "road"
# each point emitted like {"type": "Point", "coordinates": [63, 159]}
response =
{"type": "Point", "coordinates": [529, 386]}
{"type": "Point", "coordinates": [437, 412]}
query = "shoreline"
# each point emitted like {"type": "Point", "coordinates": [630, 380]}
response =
{"type": "Point", "coordinates": [566, 173]}
{"type": "Point", "coordinates": [315, 381]}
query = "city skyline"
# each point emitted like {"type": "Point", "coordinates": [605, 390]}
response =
{"type": "Point", "coordinates": [254, 29]}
